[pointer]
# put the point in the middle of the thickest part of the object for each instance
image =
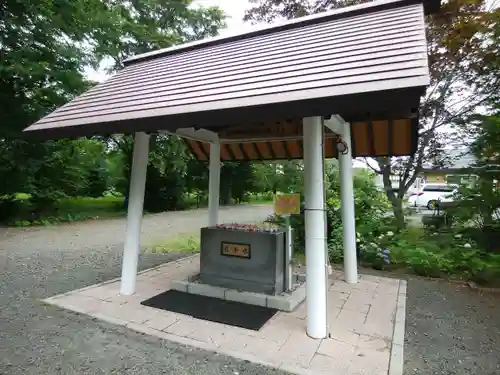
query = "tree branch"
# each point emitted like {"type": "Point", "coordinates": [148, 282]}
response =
{"type": "Point", "coordinates": [367, 162]}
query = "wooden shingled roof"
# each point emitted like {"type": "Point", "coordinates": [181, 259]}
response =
{"type": "Point", "coordinates": [369, 58]}
{"type": "Point", "coordinates": [283, 140]}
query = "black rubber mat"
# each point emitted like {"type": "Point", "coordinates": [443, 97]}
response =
{"type": "Point", "coordinates": [212, 309]}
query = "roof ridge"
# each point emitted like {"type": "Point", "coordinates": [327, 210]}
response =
{"type": "Point", "coordinates": [365, 8]}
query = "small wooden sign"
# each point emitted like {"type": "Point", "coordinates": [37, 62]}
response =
{"type": "Point", "coordinates": [238, 250]}
{"type": "Point", "coordinates": [287, 204]}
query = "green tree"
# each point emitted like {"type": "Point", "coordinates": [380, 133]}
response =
{"type": "Point", "coordinates": [197, 181]}
{"type": "Point", "coordinates": [45, 47]}
{"type": "Point", "coordinates": [463, 41]}
{"type": "Point", "coordinates": [166, 182]}
{"type": "Point", "coordinates": [280, 176]}
{"type": "Point", "coordinates": [149, 25]}
{"type": "Point", "coordinates": [480, 203]}
{"type": "Point", "coordinates": [236, 181]}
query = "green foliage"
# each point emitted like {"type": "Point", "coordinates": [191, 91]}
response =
{"type": "Point", "coordinates": [69, 169]}
{"type": "Point", "coordinates": [446, 253]}
{"type": "Point", "coordinates": [166, 175]}
{"type": "Point", "coordinates": [426, 263]}
{"type": "Point", "coordinates": [236, 182]}
{"type": "Point", "coordinates": [197, 181]}
{"type": "Point", "coordinates": [66, 210]}
{"type": "Point", "coordinates": [45, 48]}
{"type": "Point", "coordinates": [478, 205]}
{"type": "Point", "coordinates": [241, 180]}
{"type": "Point", "coordinates": [97, 182]}
{"type": "Point", "coordinates": [370, 205]}
{"type": "Point", "coordinates": [463, 47]}
{"type": "Point", "coordinates": [9, 207]}
{"type": "Point", "coordinates": [281, 176]}
{"type": "Point", "coordinates": [153, 24]}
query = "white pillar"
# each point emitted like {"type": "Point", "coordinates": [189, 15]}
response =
{"type": "Point", "coordinates": [347, 209]}
{"type": "Point", "coordinates": [214, 184]}
{"type": "Point", "coordinates": [316, 269]}
{"type": "Point", "coordinates": [134, 213]}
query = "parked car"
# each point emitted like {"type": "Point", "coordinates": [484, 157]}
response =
{"type": "Point", "coordinates": [431, 194]}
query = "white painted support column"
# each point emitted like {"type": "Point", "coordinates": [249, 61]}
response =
{"type": "Point", "coordinates": [214, 184]}
{"type": "Point", "coordinates": [347, 208]}
{"type": "Point", "coordinates": [134, 214]}
{"type": "Point", "coordinates": [316, 268]}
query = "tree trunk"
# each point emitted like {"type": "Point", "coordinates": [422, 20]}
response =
{"type": "Point", "coordinates": [397, 209]}
{"type": "Point", "coordinates": [486, 209]}
{"type": "Point", "coordinates": [225, 195]}
{"type": "Point", "coordinates": [396, 200]}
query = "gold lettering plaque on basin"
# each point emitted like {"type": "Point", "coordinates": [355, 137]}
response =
{"type": "Point", "coordinates": [238, 250]}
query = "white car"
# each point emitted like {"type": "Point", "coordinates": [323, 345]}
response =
{"type": "Point", "coordinates": [431, 194]}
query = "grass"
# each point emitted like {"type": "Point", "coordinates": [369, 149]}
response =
{"type": "Point", "coordinates": [189, 242]}
{"type": "Point", "coordinates": [103, 207]}
{"type": "Point", "coordinates": [260, 199]}
{"type": "Point", "coordinates": [70, 209]}
{"type": "Point", "coordinates": [85, 208]}
{"type": "Point", "coordinates": [252, 199]}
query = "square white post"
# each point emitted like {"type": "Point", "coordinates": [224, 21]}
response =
{"type": "Point", "coordinates": [316, 268]}
{"type": "Point", "coordinates": [347, 208]}
{"type": "Point", "coordinates": [214, 184]}
{"type": "Point", "coordinates": [134, 214]}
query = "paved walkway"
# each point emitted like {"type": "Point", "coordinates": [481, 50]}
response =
{"type": "Point", "coordinates": [366, 322]}
{"type": "Point", "coordinates": [36, 338]}
{"type": "Point", "coordinates": [449, 329]}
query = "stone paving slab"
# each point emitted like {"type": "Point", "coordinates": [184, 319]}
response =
{"type": "Point", "coordinates": [366, 324]}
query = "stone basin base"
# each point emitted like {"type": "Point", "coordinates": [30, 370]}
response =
{"type": "Point", "coordinates": [286, 301]}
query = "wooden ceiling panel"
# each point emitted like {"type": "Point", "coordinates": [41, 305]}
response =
{"type": "Point", "coordinates": [369, 138]}
{"type": "Point", "coordinates": [380, 137]}
{"type": "Point", "coordinates": [401, 137]}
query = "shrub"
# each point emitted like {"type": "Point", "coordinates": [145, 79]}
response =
{"type": "Point", "coordinates": [370, 205]}
{"type": "Point", "coordinates": [164, 190]}
{"type": "Point", "coordinates": [427, 263]}
{"type": "Point", "coordinates": [97, 182]}
{"type": "Point", "coordinates": [9, 208]}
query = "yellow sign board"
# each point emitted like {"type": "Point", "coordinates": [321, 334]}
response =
{"type": "Point", "coordinates": [287, 204]}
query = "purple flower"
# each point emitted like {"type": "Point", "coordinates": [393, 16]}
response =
{"type": "Point", "coordinates": [387, 261]}
{"type": "Point", "coordinates": [386, 251]}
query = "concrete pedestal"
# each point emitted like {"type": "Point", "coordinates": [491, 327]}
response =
{"type": "Point", "coordinates": [246, 261]}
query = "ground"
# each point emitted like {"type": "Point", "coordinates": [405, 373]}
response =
{"type": "Point", "coordinates": [38, 339]}
{"type": "Point", "coordinates": [449, 329]}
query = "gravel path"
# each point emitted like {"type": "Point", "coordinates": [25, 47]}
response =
{"type": "Point", "coordinates": [39, 339]}
{"type": "Point", "coordinates": [102, 233]}
{"type": "Point", "coordinates": [451, 330]}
